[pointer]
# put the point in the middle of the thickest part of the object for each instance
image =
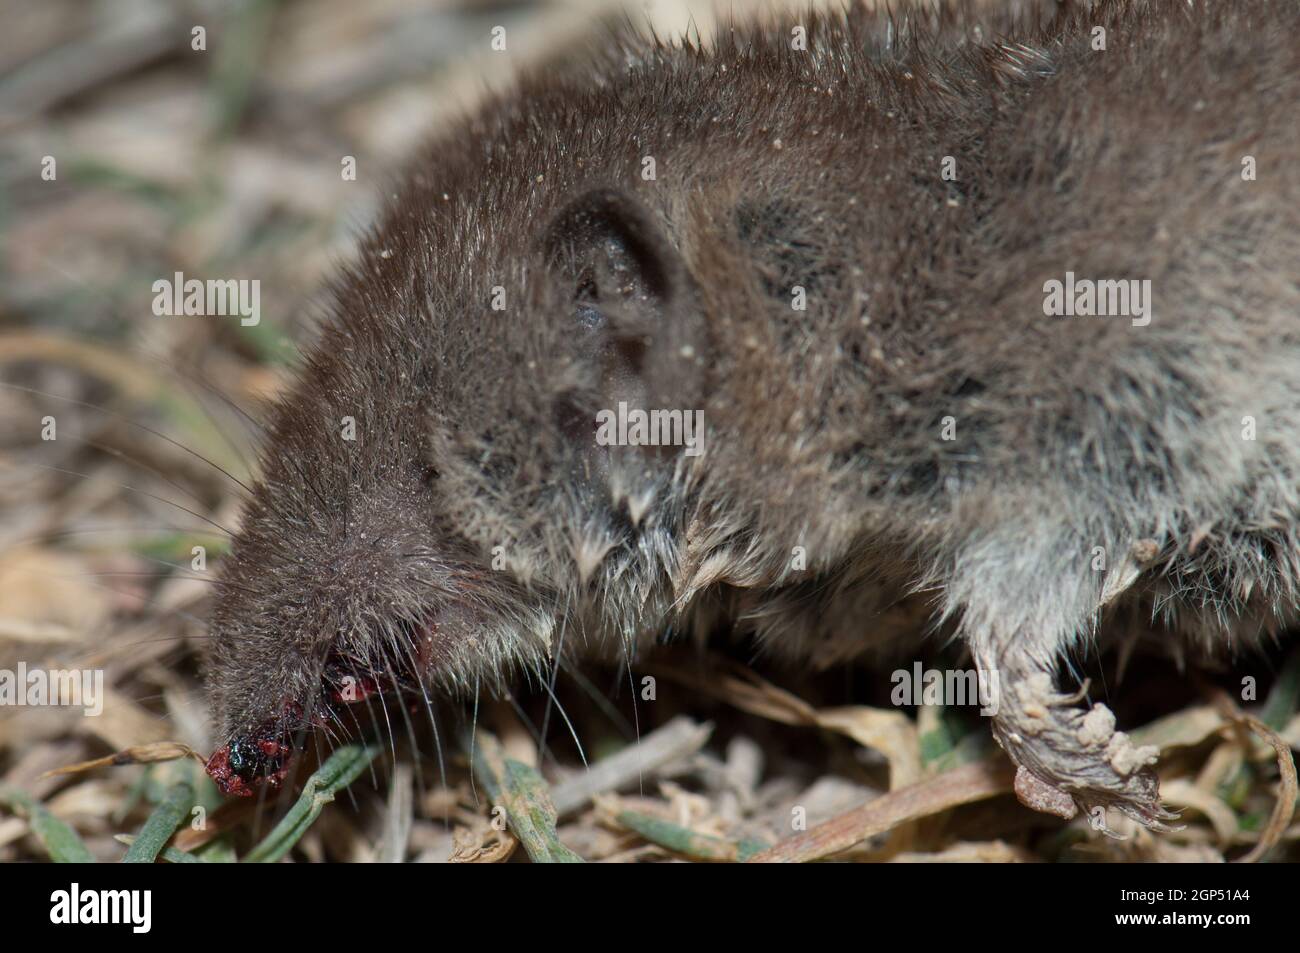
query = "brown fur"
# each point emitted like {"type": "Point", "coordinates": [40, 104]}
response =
{"type": "Point", "coordinates": [778, 168]}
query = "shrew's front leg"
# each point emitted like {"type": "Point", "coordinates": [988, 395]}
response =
{"type": "Point", "coordinates": [1070, 758]}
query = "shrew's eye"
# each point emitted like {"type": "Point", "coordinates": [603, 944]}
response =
{"type": "Point", "coordinates": [589, 318]}
{"type": "Point", "coordinates": [242, 757]}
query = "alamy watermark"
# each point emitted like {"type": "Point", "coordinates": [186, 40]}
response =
{"type": "Point", "coordinates": [947, 687]}
{"type": "Point", "coordinates": [216, 296]}
{"type": "Point", "coordinates": [651, 428]}
{"type": "Point", "coordinates": [56, 688]}
{"type": "Point", "coordinates": [1084, 297]}
{"type": "Point", "coordinates": [75, 906]}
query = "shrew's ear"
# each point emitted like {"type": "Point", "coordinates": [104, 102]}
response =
{"type": "Point", "coordinates": [632, 295]}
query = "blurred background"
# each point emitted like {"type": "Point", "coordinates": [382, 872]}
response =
{"type": "Point", "coordinates": [127, 155]}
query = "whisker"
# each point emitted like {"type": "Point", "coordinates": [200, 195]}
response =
{"type": "Point", "coordinates": [615, 716]}
{"type": "Point", "coordinates": [636, 717]}
{"type": "Point", "coordinates": [97, 585]}
{"type": "Point", "coordinates": [142, 573]}
{"type": "Point", "coordinates": [406, 646]}
{"type": "Point", "coordinates": [307, 482]}
{"type": "Point", "coordinates": [572, 731]}
{"type": "Point", "coordinates": [473, 731]}
{"type": "Point", "coordinates": [410, 734]}
{"type": "Point", "coordinates": [194, 374]}
{"type": "Point", "coordinates": [145, 574]}
{"type": "Point", "coordinates": [550, 689]}
{"type": "Point", "coordinates": [369, 700]}
{"type": "Point", "coordinates": [527, 722]}
{"type": "Point", "coordinates": [133, 461]}
{"type": "Point", "coordinates": [124, 530]}
{"type": "Point", "coordinates": [133, 489]}
{"type": "Point", "coordinates": [134, 423]}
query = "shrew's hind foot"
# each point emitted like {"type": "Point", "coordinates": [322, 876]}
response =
{"type": "Point", "coordinates": [1071, 759]}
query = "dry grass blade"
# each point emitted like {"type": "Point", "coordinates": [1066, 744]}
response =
{"type": "Point", "coordinates": [891, 733]}
{"type": "Point", "coordinates": [1179, 793]}
{"type": "Point", "coordinates": [139, 754]}
{"type": "Point", "coordinates": [482, 844]}
{"type": "Point", "coordinates": [398, 817]}
{"type": "Point", "coordinates": [1284, 808]}
{"type": "Point", "coordinates": [964, 785]}
{"type": "Point", "coordinates": [127, 376]}
{"type": "Point", "coordinates": [223, 820]}
{"type": "Point", "coordinates": [678, 739]}
{"type": "Point", "coordinates": [1183, 728]}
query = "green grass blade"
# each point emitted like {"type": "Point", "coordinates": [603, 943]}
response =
{"type": "Point", "coordinates": [175, 856]}
{"type": "Point", "coordinates": [340, 770]}
{"type": "Point", "coordinates": [161, 825]}
{"type": "Point", "coordinates": [170, 854]}
{"type": "Point", "coordinates": [523, 793]}
{"type": "Point", "coordinates": [1284, 698]}
{"type": "Point", "coordinates": [219, 851]}
{"type": "Point", "coordinates": [58, 839]}
{"type": "Point", "coordinates": [681, 840]}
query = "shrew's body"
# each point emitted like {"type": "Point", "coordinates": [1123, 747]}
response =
{"type": "Point", "coordinates": [920, 425]}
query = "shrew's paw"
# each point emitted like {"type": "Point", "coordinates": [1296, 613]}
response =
{"type": "Point", "coordinates": [1070, 759]}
